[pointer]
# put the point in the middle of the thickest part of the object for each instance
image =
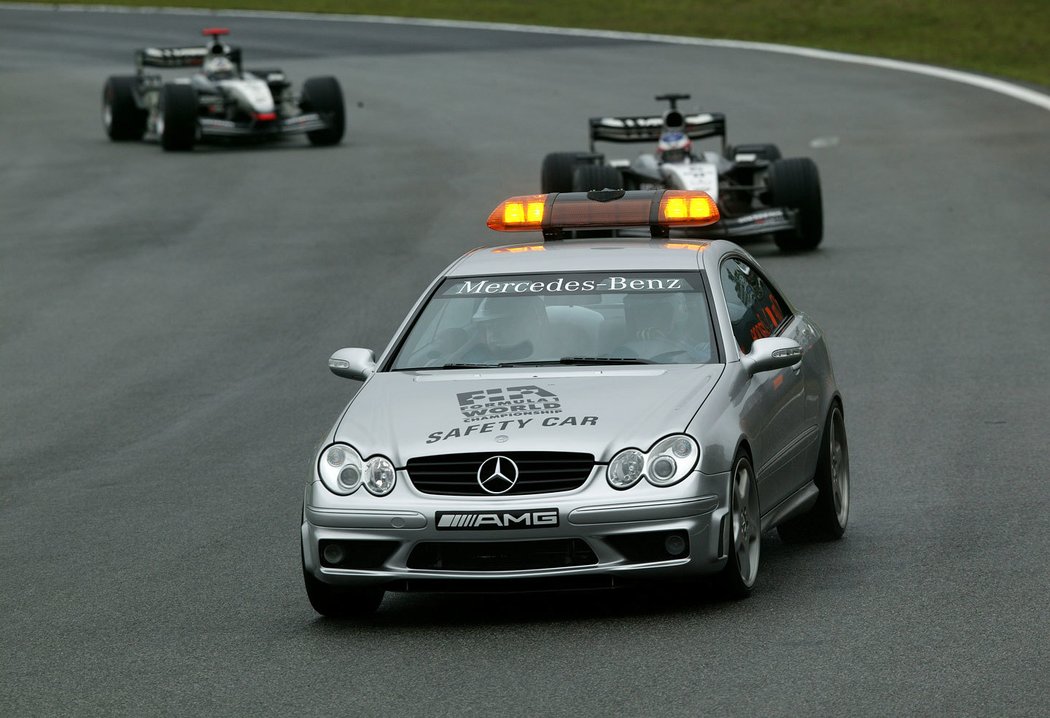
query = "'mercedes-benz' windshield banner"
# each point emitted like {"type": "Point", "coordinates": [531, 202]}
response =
{"type": "Point", "coordinates": [549, 284]}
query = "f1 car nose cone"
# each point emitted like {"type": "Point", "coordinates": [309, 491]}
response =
{"type": "Point", "coordinates": [497, 475]}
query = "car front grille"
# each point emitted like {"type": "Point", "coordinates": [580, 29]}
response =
{"type": "Point", "coordinates": [501, 555]}
{"type": "Point", "coordinates": [538, 472]}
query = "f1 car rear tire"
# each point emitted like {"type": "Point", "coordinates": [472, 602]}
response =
{"type": "Point", "coordinates": [766, 152]}
{"type": "Point", "coordinates": [827, 519]}
{"type": "Point", "coordinates": [178, 114]}
{"type": "Point", "coordinates": [324, 96]}
{"type": "Point", "coordinates": [557, 170]}
{"type": "Point", "coordinates": [738, 577]}
{"type": "Point", "coordinates": [122, 117]}
{"type": "Point", "coordinates": [795, 184]}
{"type": "Point", "coordinates": [588, 177]}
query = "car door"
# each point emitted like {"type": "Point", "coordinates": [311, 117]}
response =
{"type": "Point", "coordinates": [773, 402]}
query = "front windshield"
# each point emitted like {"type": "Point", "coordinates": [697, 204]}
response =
{"type": "Point", "coordinates": [582, 318]}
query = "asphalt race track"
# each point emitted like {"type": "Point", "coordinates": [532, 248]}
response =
{"type": "Point", "coordinates": [165, 322]}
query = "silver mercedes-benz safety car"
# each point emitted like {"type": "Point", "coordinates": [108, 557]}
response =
{"type": "Point", "coordinates": [222, 101]}
{"type": "Point", "coordinates": [758, 192]}
{"type": "Point", "coordinates": [579, 413]}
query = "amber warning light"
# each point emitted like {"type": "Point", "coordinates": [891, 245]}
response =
{"type": "Point", "coordinates": [660, 210]}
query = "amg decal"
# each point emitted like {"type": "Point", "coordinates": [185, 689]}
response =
{"type": "Point", "coordinates": [530, 518]}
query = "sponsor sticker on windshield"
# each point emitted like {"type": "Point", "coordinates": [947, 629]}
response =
{"type": "Point", "coordinates": [545, 285]}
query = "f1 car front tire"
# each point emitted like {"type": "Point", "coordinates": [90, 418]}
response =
{"type": "Point", "coordinates": [588, 177]}
{"type": "Point", "coordinates": [324, 96]}
{"type": "Point", "coordinates": [122, 117]}
{"type": "Point", "coordinates": [178, 110]}
{"type": "Point", "coordinates": [795, 184]}
{"type": "Point", "coordinates": [557, 171]}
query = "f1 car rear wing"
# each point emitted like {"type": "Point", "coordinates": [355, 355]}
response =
{"type": "Point", "coordinates": [171, 56]}
{"type": "Point", "coordinates": [649, 129]}
{"type": "Point", "coordinates": [188, 56]}
{"type": "Point", "coordinates": [179, 56]}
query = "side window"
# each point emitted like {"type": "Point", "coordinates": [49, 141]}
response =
{"type": "Point", "coordinates": [755, 310]}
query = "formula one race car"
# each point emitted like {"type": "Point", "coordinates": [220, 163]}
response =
{"type": "Point", "coordinates": [221, 101]}
{"type": "Point", "coordinates": [758, 192]}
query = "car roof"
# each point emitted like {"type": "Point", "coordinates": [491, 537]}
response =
{"type": "Point", "coordinates": [573, 255]}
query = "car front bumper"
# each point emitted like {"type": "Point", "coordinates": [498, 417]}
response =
{"type": "Point", "coordinates": [603, 537]}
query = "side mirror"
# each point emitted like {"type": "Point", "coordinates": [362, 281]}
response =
{"type": "Point", "coordinates": [353, 363]}
{"type": "Point", "coordinates": [771, 353]}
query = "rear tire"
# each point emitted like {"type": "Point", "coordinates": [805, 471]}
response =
{"type": "Point", "coordinates": [178, 109]}
{"type": "Point", "coordinates": [737, 579]}
{"type": "Point", "coordinates": [828, 517]}
{"type": "Point", "coordinates": [795, 184]}
{"type": "Point", "coordinates": [122, 117]}
{"type": "Point", "coordinates": [324, 96]}
{"type": "Point", "coordinates": [557, 170]}
{"type": "Point", "coordinates": [596, 177]}
{"type": "Point", "coordinates": [766, 152]}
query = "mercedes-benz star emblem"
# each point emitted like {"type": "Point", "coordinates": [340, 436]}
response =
{"type": "Point", "coordinates": [497, 475]}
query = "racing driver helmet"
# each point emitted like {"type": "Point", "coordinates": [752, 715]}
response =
{"type": "Point", "coordinates": [219, 67]}
{"type": "Point", "coordinates": [674, 147]}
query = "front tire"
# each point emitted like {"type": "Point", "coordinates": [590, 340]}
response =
{"type": "Point", "coordinates": [596, 177]}
{"type": "Point", "coordinates": [737, 579]}
{"type": "Point", "coordinates": [178, 109]}
{"type": "Point", "coordinates": [556, 172]}
{"type": "Point", "coordinates": [795, 184]}
{"type": "Point", "coordinates": [828, 517]}
{"type": "Point", "coordinates": [122, 117]}
{"type": "Point", "coordinates": [324, 96]}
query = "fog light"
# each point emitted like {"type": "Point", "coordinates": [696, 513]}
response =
{"type": "Point", "coordinates": [675, 545]}
{"type": "Point", "coordinates": [333, 554]}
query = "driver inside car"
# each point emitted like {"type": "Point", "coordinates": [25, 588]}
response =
{"type": "Point", "coordinates": [512, 329]}
{"type": "Point", "coordinates": [651, 322]}
{"type": "Point", "coordinates": [674, 147]}
{"type": "Point", "coordinates": [219, 67]}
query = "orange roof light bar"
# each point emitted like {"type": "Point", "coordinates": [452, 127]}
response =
{"type": "Point", "coordinates": [660, 210]}
{"type": "Point", "coordinates": [519, 214]}
{"type": "Point", "coordinates": [690, 209]}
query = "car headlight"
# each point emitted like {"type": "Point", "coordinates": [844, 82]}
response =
{"type": "Point", "coordinates": [379, 476]}
{"type": "Point", "coordinates": [625, 469]}
{"type": "Point", "coordinates": [341, 469]}
{"type": "Point", "coordinates": [671, 459]}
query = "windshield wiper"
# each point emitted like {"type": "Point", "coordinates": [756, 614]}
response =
{"type": "Point", "coordinates": [579, 361]}
{"type": "Point", "coordinates": [470, 366]}
{"type": "Point", "coordinates": [604, 360]}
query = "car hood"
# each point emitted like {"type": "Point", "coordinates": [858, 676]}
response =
{"type": "Point", "coordinates": [587, 409]}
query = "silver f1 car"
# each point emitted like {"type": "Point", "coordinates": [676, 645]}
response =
{"type": "Point", "coordinates": [757, 191]}
{"type": "Point", "coordinates": [574, 414]}
{"type": "Point", "coordinates": [221, 101]}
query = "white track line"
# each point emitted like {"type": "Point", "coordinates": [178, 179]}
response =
{"type": "Point", "coordinates": [1017, 92]}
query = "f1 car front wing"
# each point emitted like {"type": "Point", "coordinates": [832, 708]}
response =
{"type": "Point", "coordinates": [306, 122]}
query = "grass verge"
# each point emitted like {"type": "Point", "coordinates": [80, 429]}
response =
{"type": "Point", "coordinates": [1008, 38]}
